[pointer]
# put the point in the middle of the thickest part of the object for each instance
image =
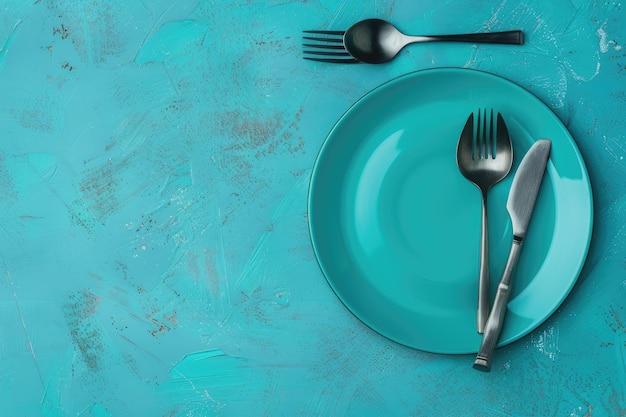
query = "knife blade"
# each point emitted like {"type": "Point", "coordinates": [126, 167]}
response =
{"type": "Point", "coordinates": [520, 205]}
{"type": "Point", "coordinates": [525, 186]}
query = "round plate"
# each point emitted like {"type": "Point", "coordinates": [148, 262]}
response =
{"type": "Point", "coordinates": [396, 227]}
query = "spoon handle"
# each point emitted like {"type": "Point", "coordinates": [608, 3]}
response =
{"type": "Point", "coordinates": [511, 37]}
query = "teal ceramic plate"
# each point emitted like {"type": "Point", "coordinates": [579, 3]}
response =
{"type": "Point", "coordinates": [395, 226]}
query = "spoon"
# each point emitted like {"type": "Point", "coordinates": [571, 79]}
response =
{"type": "Point", "coordinates": [376, 41]}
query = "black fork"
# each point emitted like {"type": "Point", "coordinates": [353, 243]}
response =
{"type": "Point", "coordinates": [328, 47]}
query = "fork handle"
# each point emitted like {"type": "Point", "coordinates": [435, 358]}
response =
{"type": "Point", "coordinates": [483, 274]}
{"type": "Point", "coordinates": [510, 37]}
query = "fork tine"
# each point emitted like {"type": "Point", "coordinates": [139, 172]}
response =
{"type": "Point", "coordinates": [477, 136]}
{"type": "Point", "coordinates": [321, 46]}
{"type": "Point", "coordinates": [466, 141]}
{"type": "Point", "coordinates": [322, 39]}
{"type": "Point", "coordinates": [326, 32]}
{"type": "Point", "coordinates": [328, 53]}
{"type": "Point", "coordinates": [491, 140]}
{"type": "Point", "coordinates": [465, 146]}
{"type": "Point", "coordinates": [336, 57]}
{"type": "Point", "coordinates": [334, 60]}
{"type": "Point", "coordinates": [502, 139]}
{"type": "Point", "coordinates": [485, 135]}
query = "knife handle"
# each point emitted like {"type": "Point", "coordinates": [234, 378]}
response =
{"type": "Point", "coordinates": [494, 324]}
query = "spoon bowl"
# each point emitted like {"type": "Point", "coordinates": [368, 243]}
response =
{"type": "Point", "coordinates": [373, 41]}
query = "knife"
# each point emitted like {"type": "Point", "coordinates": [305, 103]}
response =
{"type": "Point", "coordinates": [520, 205]}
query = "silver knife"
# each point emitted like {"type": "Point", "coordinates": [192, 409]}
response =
{"type": "Point", "coordinates": [520, 205]}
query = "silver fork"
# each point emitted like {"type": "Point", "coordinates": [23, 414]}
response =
{"type": "Point", "coordinates": [327, 48]}
{"type": "Point", "coordinates": [484, 157]}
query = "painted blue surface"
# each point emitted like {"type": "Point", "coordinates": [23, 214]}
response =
{"type": "Point", "coordinates": [154, 252]}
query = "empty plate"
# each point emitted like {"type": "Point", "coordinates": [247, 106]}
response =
{"type": "Point", "coordinates": [396, 227]}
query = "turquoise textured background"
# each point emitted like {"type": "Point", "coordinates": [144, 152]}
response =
{"type": "Point", "coordinates": [154, 249]}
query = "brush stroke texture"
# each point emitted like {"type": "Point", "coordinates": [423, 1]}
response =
{"type": "Point", "coordinates": [154, 173]}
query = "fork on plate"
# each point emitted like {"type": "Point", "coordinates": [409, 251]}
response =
{"type": "Point", "coordinates": [484, 157]}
